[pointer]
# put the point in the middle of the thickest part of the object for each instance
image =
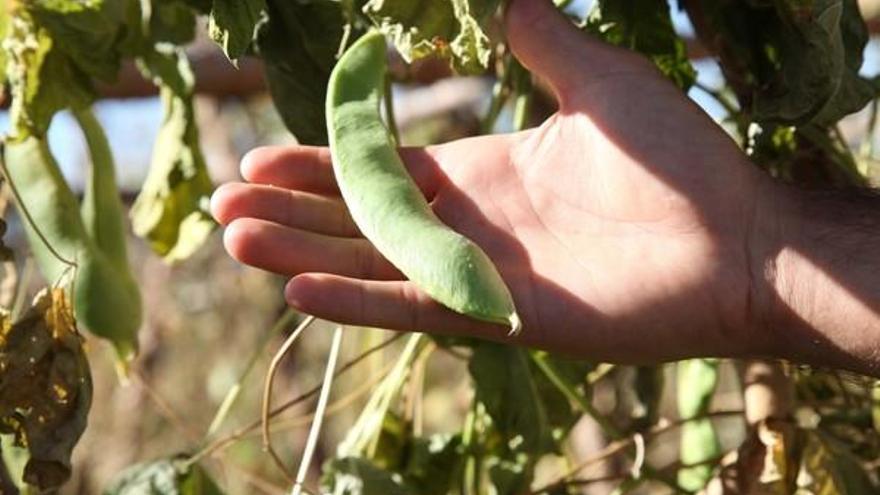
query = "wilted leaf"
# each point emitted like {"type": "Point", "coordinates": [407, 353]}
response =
{"type": "Point", "coordinates": [87, 32]}
{"type": "Point", "coordinates": [448, 28]}
{"type": "Point", "coordinates": [299, 45]}
{"type": "Point", "coordinates": [233, 24]}
{"type": "Point", "coordinates": [829, 469]}
{"type": "Point", "coordinates": [45, 386]}
{"type": "Point", "coordinates": [171, 211]}
{"type": "Point", "coordinates": [646, 27]}
{"type": "Point", "coordinates": [42, 79]}
{"type": "Point", "coordinates": [765, 464]}
{"type": "Point", "coordinates": [163, 477]}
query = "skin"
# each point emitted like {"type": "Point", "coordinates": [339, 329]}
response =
{"type": "Point", "coordinates": [629, 227]}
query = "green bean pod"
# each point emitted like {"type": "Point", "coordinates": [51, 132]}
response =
{"type": "Point", "coordinates": [106, 297]}
{"type": "Point", "coordinates": [387, 205]}
{"type": "Point", "coordinates": [697, 379]}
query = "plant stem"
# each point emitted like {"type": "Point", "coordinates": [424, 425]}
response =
{"type": "Point", "coordinates": [221, 443]}
{"type": "Point", "coordinates": [363, 437]}
{"type": "Point", "coordinates": [320, 409]}
{"type": "Point", "coordinates": [233, 393]}
{"type": "Point", "coordinates": [499, 98]}
{"type": "Point", "coordinates": [522, 87]}
{"type": "Point", "coordinates": [546, 366]}
{"type": "Point", "coordinates": [573, 395]}
{"type": "Point", "coordinates": [267, 393]}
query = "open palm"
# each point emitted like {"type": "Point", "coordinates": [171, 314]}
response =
{"type": "Point", "coordinates": [618, 224]}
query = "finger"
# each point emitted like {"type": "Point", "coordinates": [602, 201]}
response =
{"type": "Point", "coordinates": [551, 46]}
{"type": "Point", "coordinates": [297, 209]}
{"type": "Point", "coordinates": [394, 305]}
{"type": "Point", "coordinates": [309, 168]}
{"type": "Point", "coordinates": [288, 251]}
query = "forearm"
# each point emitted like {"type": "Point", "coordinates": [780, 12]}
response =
{"type": "Point", "coordinates": [820, 269]}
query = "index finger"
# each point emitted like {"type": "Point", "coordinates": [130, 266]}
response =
{"type": "Point", "coordinates": [309, 168]}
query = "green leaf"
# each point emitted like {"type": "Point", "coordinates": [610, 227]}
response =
{"type": "Point", "coordinates": [451, 28]}
{"type": "Point", "coordinates": [795, 62]}
{"type": "Point", "coordinates": [815, 81]}
{"type": "Point", "coordinates": [357, 476]}
{"type": "Point", "coordinates": [87, 32]}
{"type": "Point", "coordinates": [531, 414]}
{"type": "Point", "coordinates": [200, 6]}
{"type": "Point", "coordinates": [511, 473]}
{"type": "Point", "coordinates": [432, 463]}
{"type": "Point", "coordinates": [875, 405]}
{"type": "Point", "coordinates": [299, 45]}
{"type": "Point", "coordinates": [42, 79]}
{"type": "Point", "coordinates": [173, 22]}
{"type": "Point", "coordinates": [557, 397]}
{"type": "Point", "coordinates": [506, 385]}
{"type": "Point", "coordinates": [646, 27]}
{"type": "Point", "coordinates": [233, 24]}
{"type": "Point", "coordinates": [45, 387]}
{"type": "Point", "coordinates": [171, 211]}
{"type": "Point", "coordinates": [4, 29]}
{"type": "Point", "coordinates": [163, 477]}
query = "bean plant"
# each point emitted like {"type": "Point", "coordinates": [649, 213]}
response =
{"type": "Point", "coordinates": [791, 75]}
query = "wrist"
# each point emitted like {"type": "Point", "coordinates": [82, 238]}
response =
{"type": "Point", "coordinates": [768, 267]}
{"type": "Point", "coordinates": [813, 281]}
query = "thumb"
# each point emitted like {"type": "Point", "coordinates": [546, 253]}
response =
{"type": "Point", "coordinates": [552, 47]}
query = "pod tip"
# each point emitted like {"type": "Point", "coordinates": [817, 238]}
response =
{"type": "Point", "coordinates": [515, 325]}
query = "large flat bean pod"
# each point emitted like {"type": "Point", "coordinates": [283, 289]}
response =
{"type": "Point", "coordinates": [106, 299]}
{"type": "Point", "coordinates": [388, 207]}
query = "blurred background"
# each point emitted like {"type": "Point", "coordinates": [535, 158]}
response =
{"type": "Point", "coordinates": [208, 317]}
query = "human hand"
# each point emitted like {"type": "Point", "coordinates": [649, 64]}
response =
{"type": "Point", "coordinates": [621, 225]}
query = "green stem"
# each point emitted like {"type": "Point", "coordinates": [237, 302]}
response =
{"type": "Point", "coordinates": [552, 374]}
{"type": "Point", "coordinates": [469, 485]}
{"type": "Point", "coordinates": [574, 396]}
{"type": "Point", "coordinates": [867, 148]}
{"type": "Point", "coordinates": [522, 87]}
{"type": "Point", "coordinates": [320, 411]}
{"type": "Point", "coordinates": [500, 94]}
{"type": "Point", "coordinates": [363, 437]}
